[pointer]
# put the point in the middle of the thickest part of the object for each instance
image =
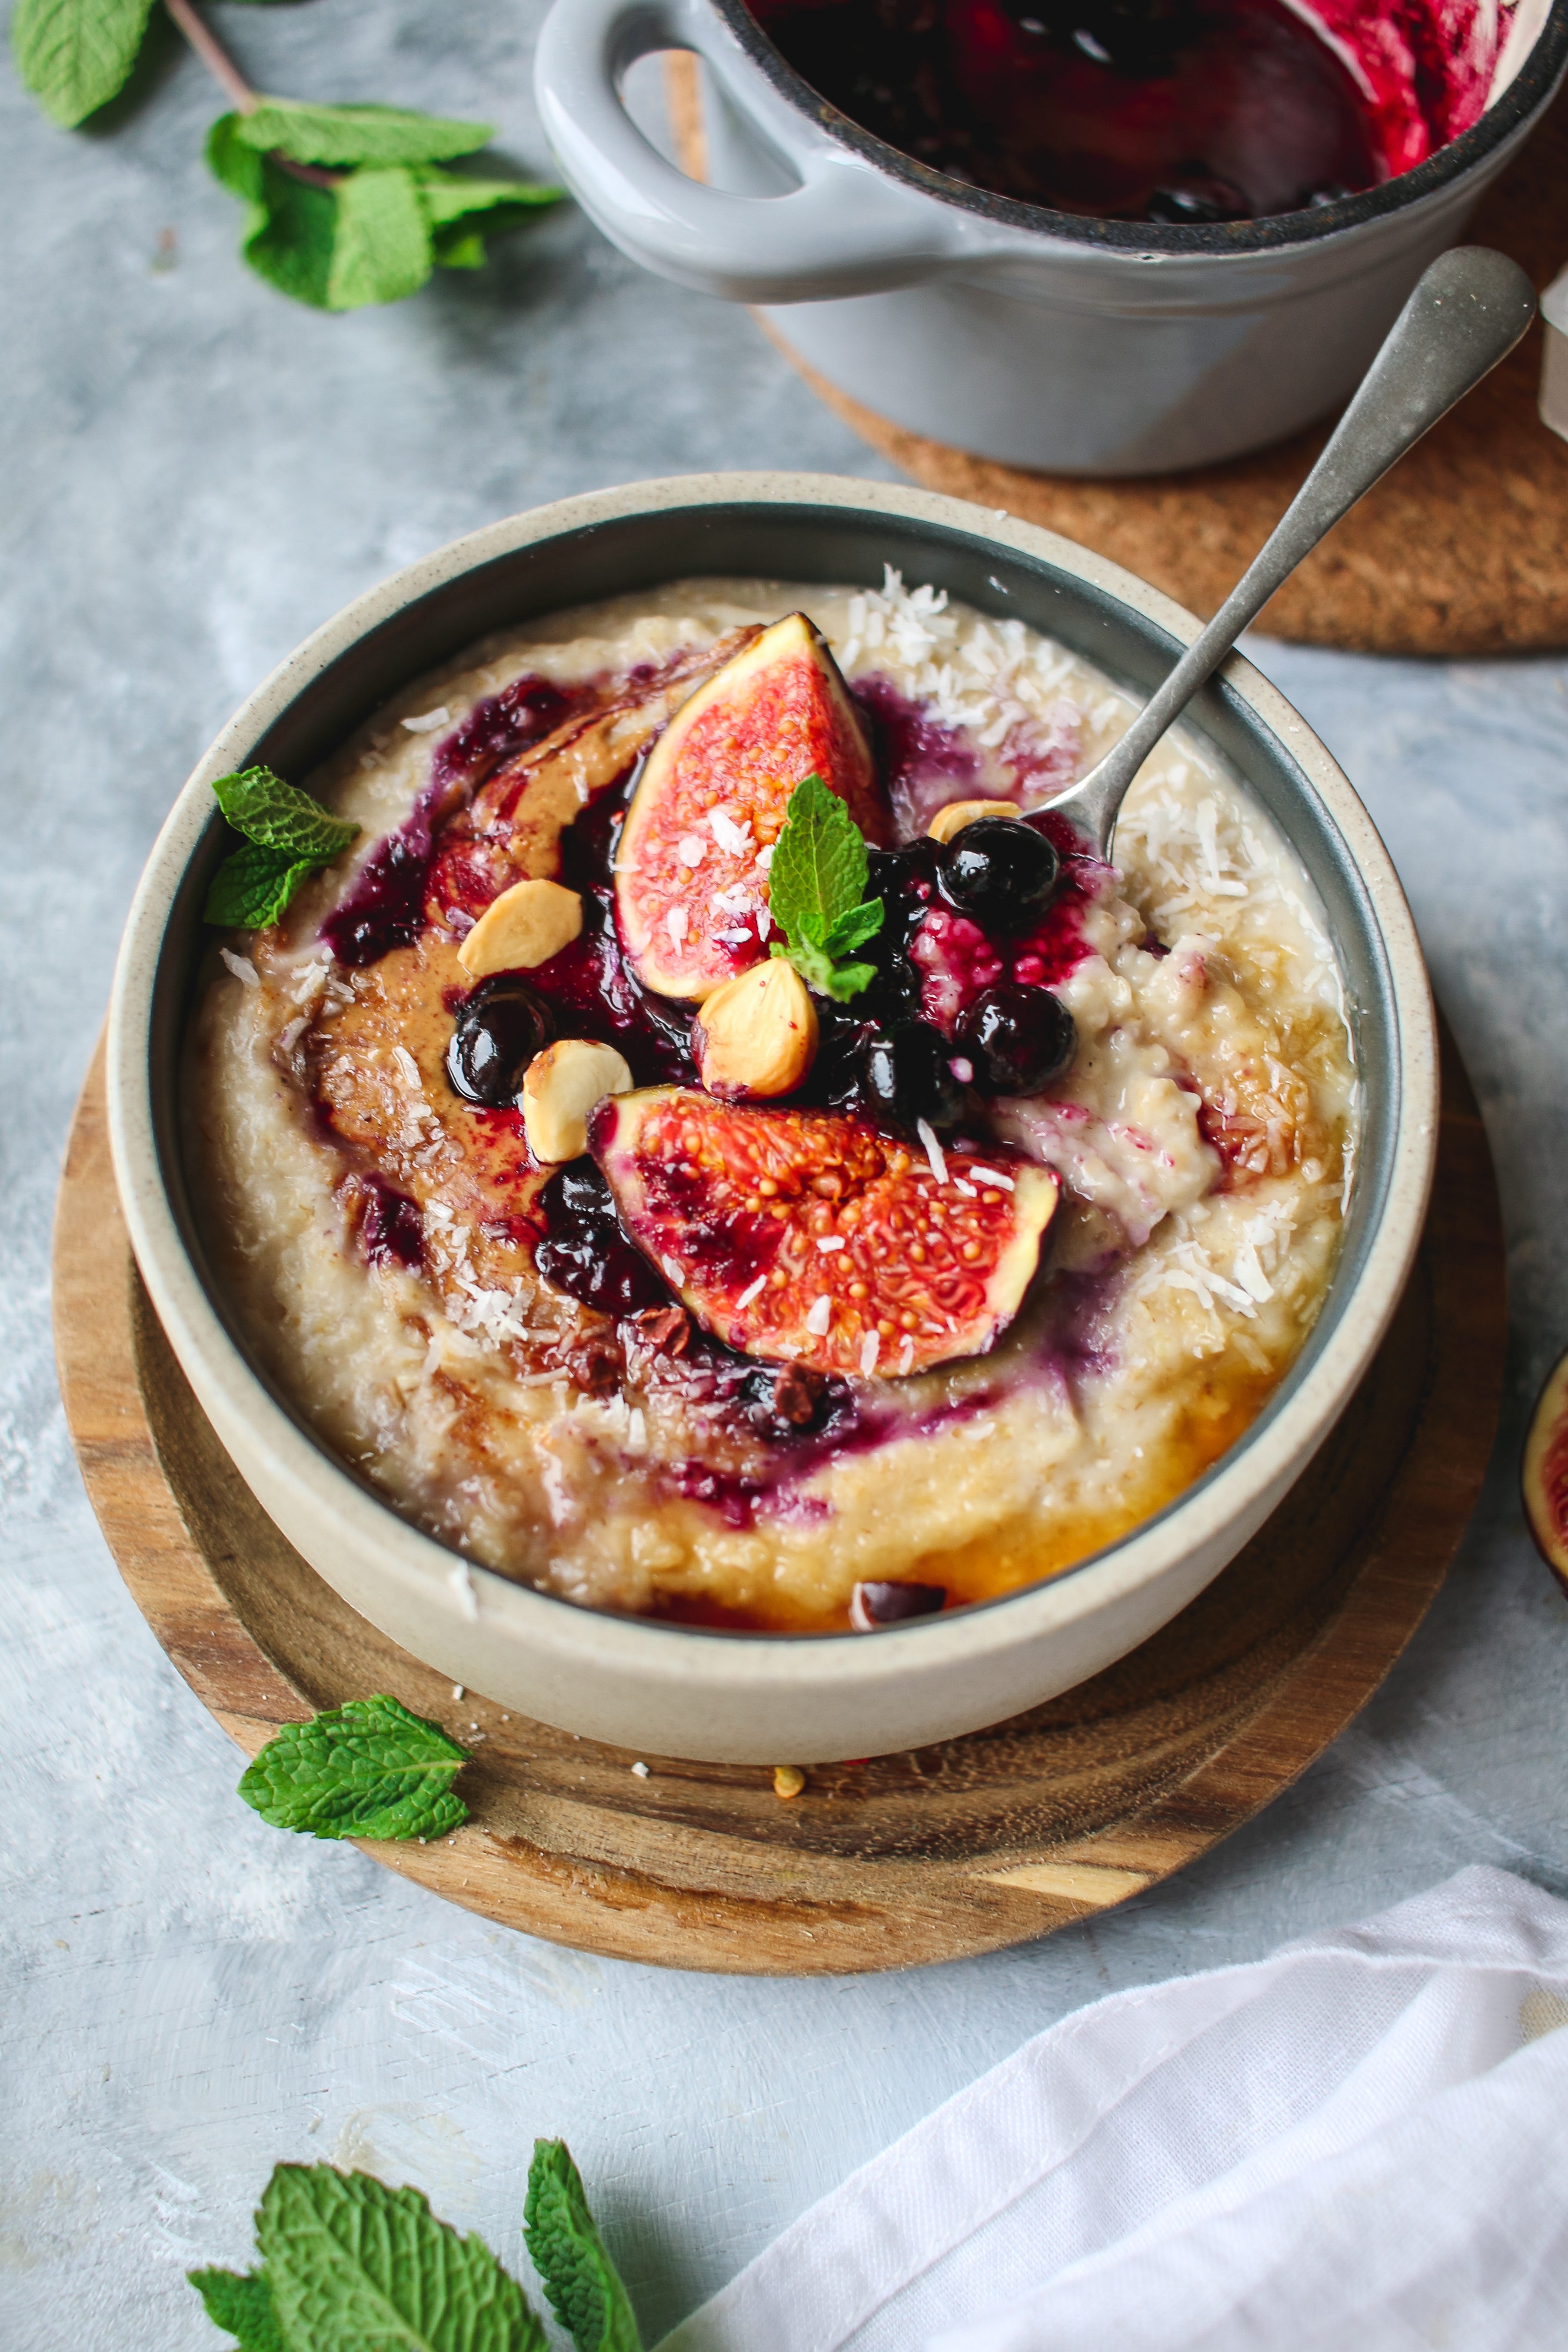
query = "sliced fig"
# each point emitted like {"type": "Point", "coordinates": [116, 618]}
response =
{"type": "Point", "coordinates": [1545, 1475]}
{"type": "Point", "coordinates": [815, 1238]}
{"type": "Point", "coordinates": [688, 884]}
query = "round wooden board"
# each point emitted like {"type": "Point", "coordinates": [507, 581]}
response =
{"type": "Point", "coordinates": [931, 1855]}
{"type": "Point", "coordinates": [1463, 548]}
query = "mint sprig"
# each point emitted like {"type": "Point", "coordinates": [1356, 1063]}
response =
{"type": "Point", "coordinates": [289, 837]}
{"type": "Point", "coordinates": [567, 2250]}
{"type": "Point", "coordinates": [375, 212]}
{"type": "Point", "coordinates": [350, 2265]}
{"type": "Point", "coordinates": [345, 206]}
{"type": "Point", "coordinates": [816, 893]}
{"type": "Point", "coordinates": [369, 1770]}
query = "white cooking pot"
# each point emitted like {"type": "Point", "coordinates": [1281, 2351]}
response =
{"type": "Point", "coordinates": [1037, 337]}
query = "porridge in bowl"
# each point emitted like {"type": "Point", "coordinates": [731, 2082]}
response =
{"type": "Point", "coordinates": [703, 1151]}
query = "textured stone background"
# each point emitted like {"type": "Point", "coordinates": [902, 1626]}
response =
{"type": "Point", "coordinates": [195, 474]}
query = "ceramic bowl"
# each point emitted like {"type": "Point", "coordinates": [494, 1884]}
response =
{"type": "Point", "coordinates": [681, 1691]}
{"type": "Point", "coordinates": [1037, 337]}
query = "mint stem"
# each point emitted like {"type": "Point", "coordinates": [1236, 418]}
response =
{"type": "Point", "coordinates": [214, 56]}
{"type": "Point", "coordinates": [233, 84]}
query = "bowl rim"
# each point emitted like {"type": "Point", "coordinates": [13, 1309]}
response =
{"type": "Point", "coordinates": [1258, 1468]}
{"type": "Point", "coordinates": [1532, 85]}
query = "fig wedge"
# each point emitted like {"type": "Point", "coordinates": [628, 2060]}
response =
{"type": "Point", "coordinates": [1545, 1472]}
{"type": "Point", "coordinates": [815, 1238]}
{"type": "Point", "coordinates": [690, 886]}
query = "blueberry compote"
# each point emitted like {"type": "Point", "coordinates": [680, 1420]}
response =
{"type": "Point", "coordinates": [1172, 111]}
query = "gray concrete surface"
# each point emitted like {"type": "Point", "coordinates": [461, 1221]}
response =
{"type": "Point", "coordinates": [195, 474]}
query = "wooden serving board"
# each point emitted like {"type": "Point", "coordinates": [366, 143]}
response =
{"type": "Point", "coordinates": [932, 1855]}
{"type": "Point", "coordinates": [1462, 549]}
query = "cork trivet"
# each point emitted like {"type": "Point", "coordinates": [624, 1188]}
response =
{"type": "Point", "coordinates": [1462, 549]}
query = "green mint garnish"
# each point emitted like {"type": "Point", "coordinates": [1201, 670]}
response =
{"type": "Point", "coordinates": [74, 55]}
{"type": "Point", "coordinates": [252, 887]}
{"type": "Point", "coordinates": [289, 837]}
{"type": "Point", "coordinates": [277, 816]}
{"type": "Point", "coordinates": [345, 204]}
{"type": "Point", "coordinates": [379, 214]}
{"type": "Point", "coordinates": [356, 134]}
{"type": "Point", "coordinates": [368, 1770]}
{"type": "Point", "coordinates": [567, 2250]}
{"type": "Point", "coordinates": [351, 2263]}
{"type": "Point", "coordinates": [816, 893]}
{"type": "Point", "coordinates": [242, 2305]}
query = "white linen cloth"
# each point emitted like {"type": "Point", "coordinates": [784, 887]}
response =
{"type": "Point", "coordinates": [1359, 2145]}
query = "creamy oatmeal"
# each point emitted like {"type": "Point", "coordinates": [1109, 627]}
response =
{"type": "Point", "coordinates": [906, 1326]}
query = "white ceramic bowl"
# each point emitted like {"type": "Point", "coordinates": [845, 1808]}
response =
{"type": "Point", "coordinates": [678, 1690]}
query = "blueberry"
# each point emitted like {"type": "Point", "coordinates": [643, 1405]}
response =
{"type": "Point", "coordinates": [580, 1191]}
{"type": "Point", "coordinates": [906, 1076]}
{"type": "Point", "coordinates": [499, 1029]}
{"type": "Point", "coordinates": [585, 1252]}
{"type": "Point", "coordinates": [1001, 874]}
{"type": "Point", "coordinates": [1019, 1039]}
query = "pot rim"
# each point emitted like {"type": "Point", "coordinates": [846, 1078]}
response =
{"type": "Point", "coordinates": [1531, 86]}
{"type": "Point", "coordinates": [1249, 1479]}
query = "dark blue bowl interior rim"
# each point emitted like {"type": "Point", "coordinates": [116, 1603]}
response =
{"type": "Point", "coordinates": [1531, 86]}
{"type": "Point", "coordinates": [827, 545]}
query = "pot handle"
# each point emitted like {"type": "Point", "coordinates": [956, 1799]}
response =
{"type": "Point", "coordinates": [845, 229]}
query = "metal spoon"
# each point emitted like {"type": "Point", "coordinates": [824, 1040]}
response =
{"type": "Point", "coordinates": [1466, 313]}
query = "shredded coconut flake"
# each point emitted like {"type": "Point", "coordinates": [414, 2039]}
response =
{"type": "Point", "coordinates": [429, 721]}
{"type": "Point", "coordinates": [933, 1151]}
{"type": "Point", "coordinates": [828, 1242]}
{"type": "Point", "coordinates": [675, 924]}
{"type": "Point", "coordinates": [870, 1348]}
{"type": "Point", "coordinates": [242, 968]}
{"type": "Point", "coordinates": [820, 1316]}
{"type": "Point", "coordinates": [735, 838]}
{"type": "Point", "coordinates": [462, 1585]}
{"type": "Point", "coordinates": [691, 849]}
{"type": "Point", "coordinates": [992, 1176]}
{"type": "Point", "coordinates": [751, 1291]}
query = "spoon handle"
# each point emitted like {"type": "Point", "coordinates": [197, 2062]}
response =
{"type": "Point", "coordinates": [1467, 311]}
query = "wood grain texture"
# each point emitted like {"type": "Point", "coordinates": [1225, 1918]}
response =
{"type": "Point", "coordinates": [1463, 548]}
{"type": "Point", "coordinates": [930, 1855]}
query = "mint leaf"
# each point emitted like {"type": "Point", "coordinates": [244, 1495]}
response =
{"type": "Point", "coordinates": [357, 134]}
{"type": "Point", "coordinates": [852, 930]}
{"type": "Point", "coordinates": [458, 248]}
{"type": "Point", "coordinates": [816, 885]}
{"type": "Point", "coordinates": [848, 980]}
{"type": "Point", "coordinates": [76, 55]}
{"type": "Point", "coordinates": [455, 195]}
{"type": "Point", "coordinates": [368, 1770]}
{"type": "Point", "coordinates": [241, 2305]}
{"type": "Point", "coordinates": [232, 164]}
{"type": "Point", "coordinates": [291, 235]}
{"type": "Point", "coordinates": [276, 816]}
{"type": "Point", "coordinates": [354, 2266]}
{"type": "Point", "coordinates": [567, 2250]}
{"type": "Point", "coordinates": [252, 887]}
{"type": "Point", "coordinates": [381, 248]}
{"type": "Point", "coordinates": [464, 211]}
